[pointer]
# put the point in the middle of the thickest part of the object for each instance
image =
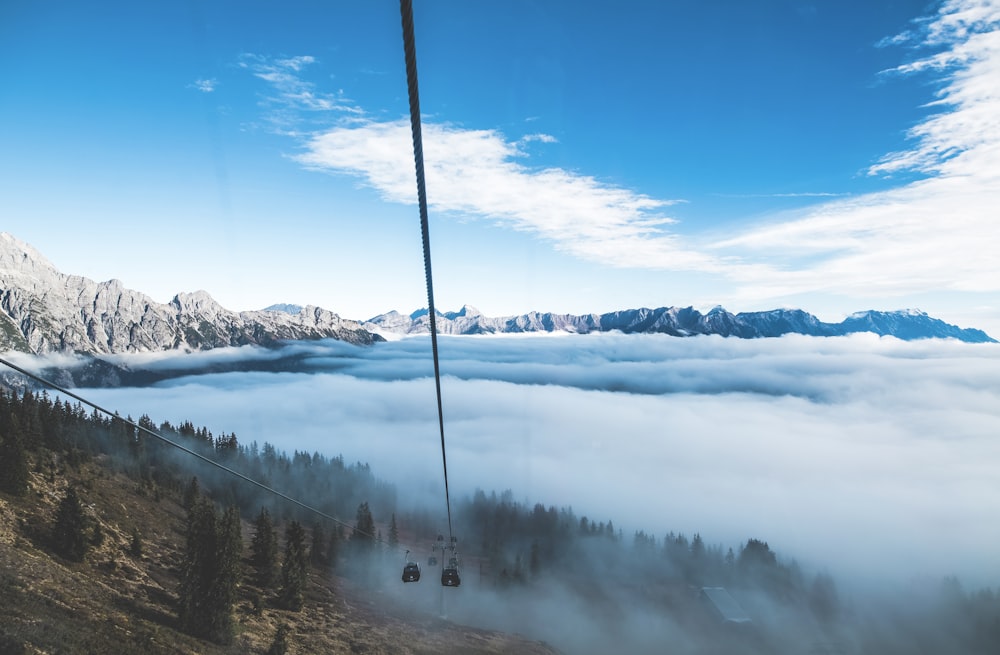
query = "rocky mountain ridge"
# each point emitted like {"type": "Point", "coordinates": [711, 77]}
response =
{"type": "Point", "coordinates": [43, 310]}
{"type": "Point", "coordinates": [907, 324]}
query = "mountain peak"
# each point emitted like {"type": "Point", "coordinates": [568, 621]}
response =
{"type": "Point", "coordinates": [287, 308]}
{"type": "Point", "coordinates": [467, 311]}
{"type": "Point", "coordinates": [17, 256]}
{"type": "Point", "coordinates": [44, 310]}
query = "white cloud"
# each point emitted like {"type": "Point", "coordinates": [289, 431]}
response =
{"type": "Point", "coordinates": [801, 194]}
{"type": "Point", "coordinates": [479, 173]}
{"type": "Point", "coordinates": [937, 233]}
{"type": "Point", "coordinates": [206, 85]}
{"type": "Point", "coordinates": [294, 97]}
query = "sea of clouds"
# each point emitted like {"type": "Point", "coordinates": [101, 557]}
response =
{"type": "Point", "coordinates": [872, 458]}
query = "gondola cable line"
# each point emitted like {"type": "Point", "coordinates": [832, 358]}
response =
{"type": "Point", "coordinates": [194, 453]}
{"type": "Point", "coordinates": [449, 574]}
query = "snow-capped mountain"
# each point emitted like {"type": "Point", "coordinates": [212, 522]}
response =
{"type": "Point", "coordinates": [681, 321]}
{"type": "Point", "coordinates": [43, 310]}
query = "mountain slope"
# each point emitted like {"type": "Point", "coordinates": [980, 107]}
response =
{"type": "Point", "coordinates": [43, 310]}
{"type": "Point", "coordinates": [116, 601]}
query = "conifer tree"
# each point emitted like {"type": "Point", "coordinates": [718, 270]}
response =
{"type": "Point", "coordinates": [333, 548]}
{"type": "Point", "coordinates": [135, 545]}
{"type": "Point", "coordinates": [211, 572]}
{"type": "Point", "coordinates": [317, 552]}
{"type": "Point", "coordinates": [229, 556]}
{"type": "Point", "coordinates": [293, 569]}
{"type": "Point", "coordinates": [264, 550]}
{"type": "Point", "coordinates": [13, 463]}
{"type": "Point", "coordinates": [279, 646]}
{"type": "Point", "coordinates": [393, 532]}
{"type": "Point", "coordinates": [69, 534]}
{"type": "Point", "coordinates": [198, 568]}
{"type": "Point", "coordinates": [363, 535]}
{"type": "Point", "coordinates": [191, 494]}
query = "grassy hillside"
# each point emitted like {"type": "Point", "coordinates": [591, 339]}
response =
{"type": "Point", "coordinates": [122, 601]}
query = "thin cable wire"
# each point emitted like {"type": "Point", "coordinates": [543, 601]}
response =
{"type": "Point", "coordinates": [410, 51]}
{"type": "Point", "coordinates": [185, 449]}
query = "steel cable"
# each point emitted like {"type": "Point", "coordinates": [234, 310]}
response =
{"type": "Point", "coordinates": [410, 52]}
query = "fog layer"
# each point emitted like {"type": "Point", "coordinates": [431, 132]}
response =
{"type": "Point", "coordinates": [875, 459]}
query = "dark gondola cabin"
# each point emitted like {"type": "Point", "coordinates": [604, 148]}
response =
{"type": "Point", "coordinates": [449, 577]}
{"type": "Point", "coordinates": [411, 572]}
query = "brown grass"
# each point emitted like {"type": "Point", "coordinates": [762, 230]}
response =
{"type": "Point", "coordinates": [116, 603]}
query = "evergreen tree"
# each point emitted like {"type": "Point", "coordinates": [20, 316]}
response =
{"type": "Point", "coordinates": [135, 545]}
{"type": "Point", "coordinates": [280, 644]}
{"type": "Point", "coordinates": [229, 556]}
{"type": "Point", "coordinates": [363, 535]}
{"type": "Point", "coordinates": [535, 562]}
{"type": "Point", "coordinates": [198, 568]}
{"type": "Point", "coordinates": [293, 569]}
{"type": "Point", "coordinates": [823, 600]}
{"type": "Point", "coordinates": [333, 548]}
{"type": "Point", "coordinates": [264, 550]}
{"type": "Point", "coordinates": [699, 559]}
{"type": "Point", "coordinates": [191, 494]}
{"type": "Point", "coordinates": [317, 552]}
{"type": "Point", "coordinates": [69, 534]}
{"type": "Point", "coordinates": [697, 547]}
{"type": "Point", "coordinates": [393, 532]}
{"type": "Point", "coordinates": [13, 463]}
{"type": "Point", "coordinates": [211, 572]}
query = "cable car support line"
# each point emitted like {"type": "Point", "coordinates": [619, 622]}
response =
{"type": "Point", "coordinates": [181, 447]}
{"type": "Point", "coordinates": [410, 51]}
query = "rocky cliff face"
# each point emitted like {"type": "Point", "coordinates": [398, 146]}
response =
{"type": "Point", "coordinates": [43, 310]}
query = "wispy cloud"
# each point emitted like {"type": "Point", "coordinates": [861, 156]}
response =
{"type": "Point", "coordinates": [482, 174]}
{"type": "Point", "coordinates": [801, 194]}
{"type": "Point", "coordinates": [205, 85]}
{"type": "Point", "coordinates": [293, 99]}
{"type": "Point", "coordinates": [938, 233]}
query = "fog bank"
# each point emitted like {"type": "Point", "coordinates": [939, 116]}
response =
{"type": "Point", "coordinates": [875, 459]}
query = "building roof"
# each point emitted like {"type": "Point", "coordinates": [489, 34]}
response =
{"type": "Point", "coordinates": [727, 607]}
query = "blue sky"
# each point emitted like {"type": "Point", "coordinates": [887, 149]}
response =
{"type": "Point", "coordinates": [582, 157]}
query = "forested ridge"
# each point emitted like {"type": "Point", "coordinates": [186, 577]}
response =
{"type": "Point", "coordinates": [186, 557]}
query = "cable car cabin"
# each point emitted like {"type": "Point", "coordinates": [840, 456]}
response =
{"type": "Point", "coordinates": [411, 572]}
{"type": "Point", "coordinates": [449, 577]}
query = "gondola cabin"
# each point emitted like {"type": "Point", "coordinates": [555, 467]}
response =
{"type": "Point", "coordinates": [449, 577]}
{"type": "Point", "coordinates": [411, 572]}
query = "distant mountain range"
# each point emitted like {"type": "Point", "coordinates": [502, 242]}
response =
{"type": "Point", "coordinates": [681, 322]}
{"type": "Point", "coordinates": [43, 310]}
